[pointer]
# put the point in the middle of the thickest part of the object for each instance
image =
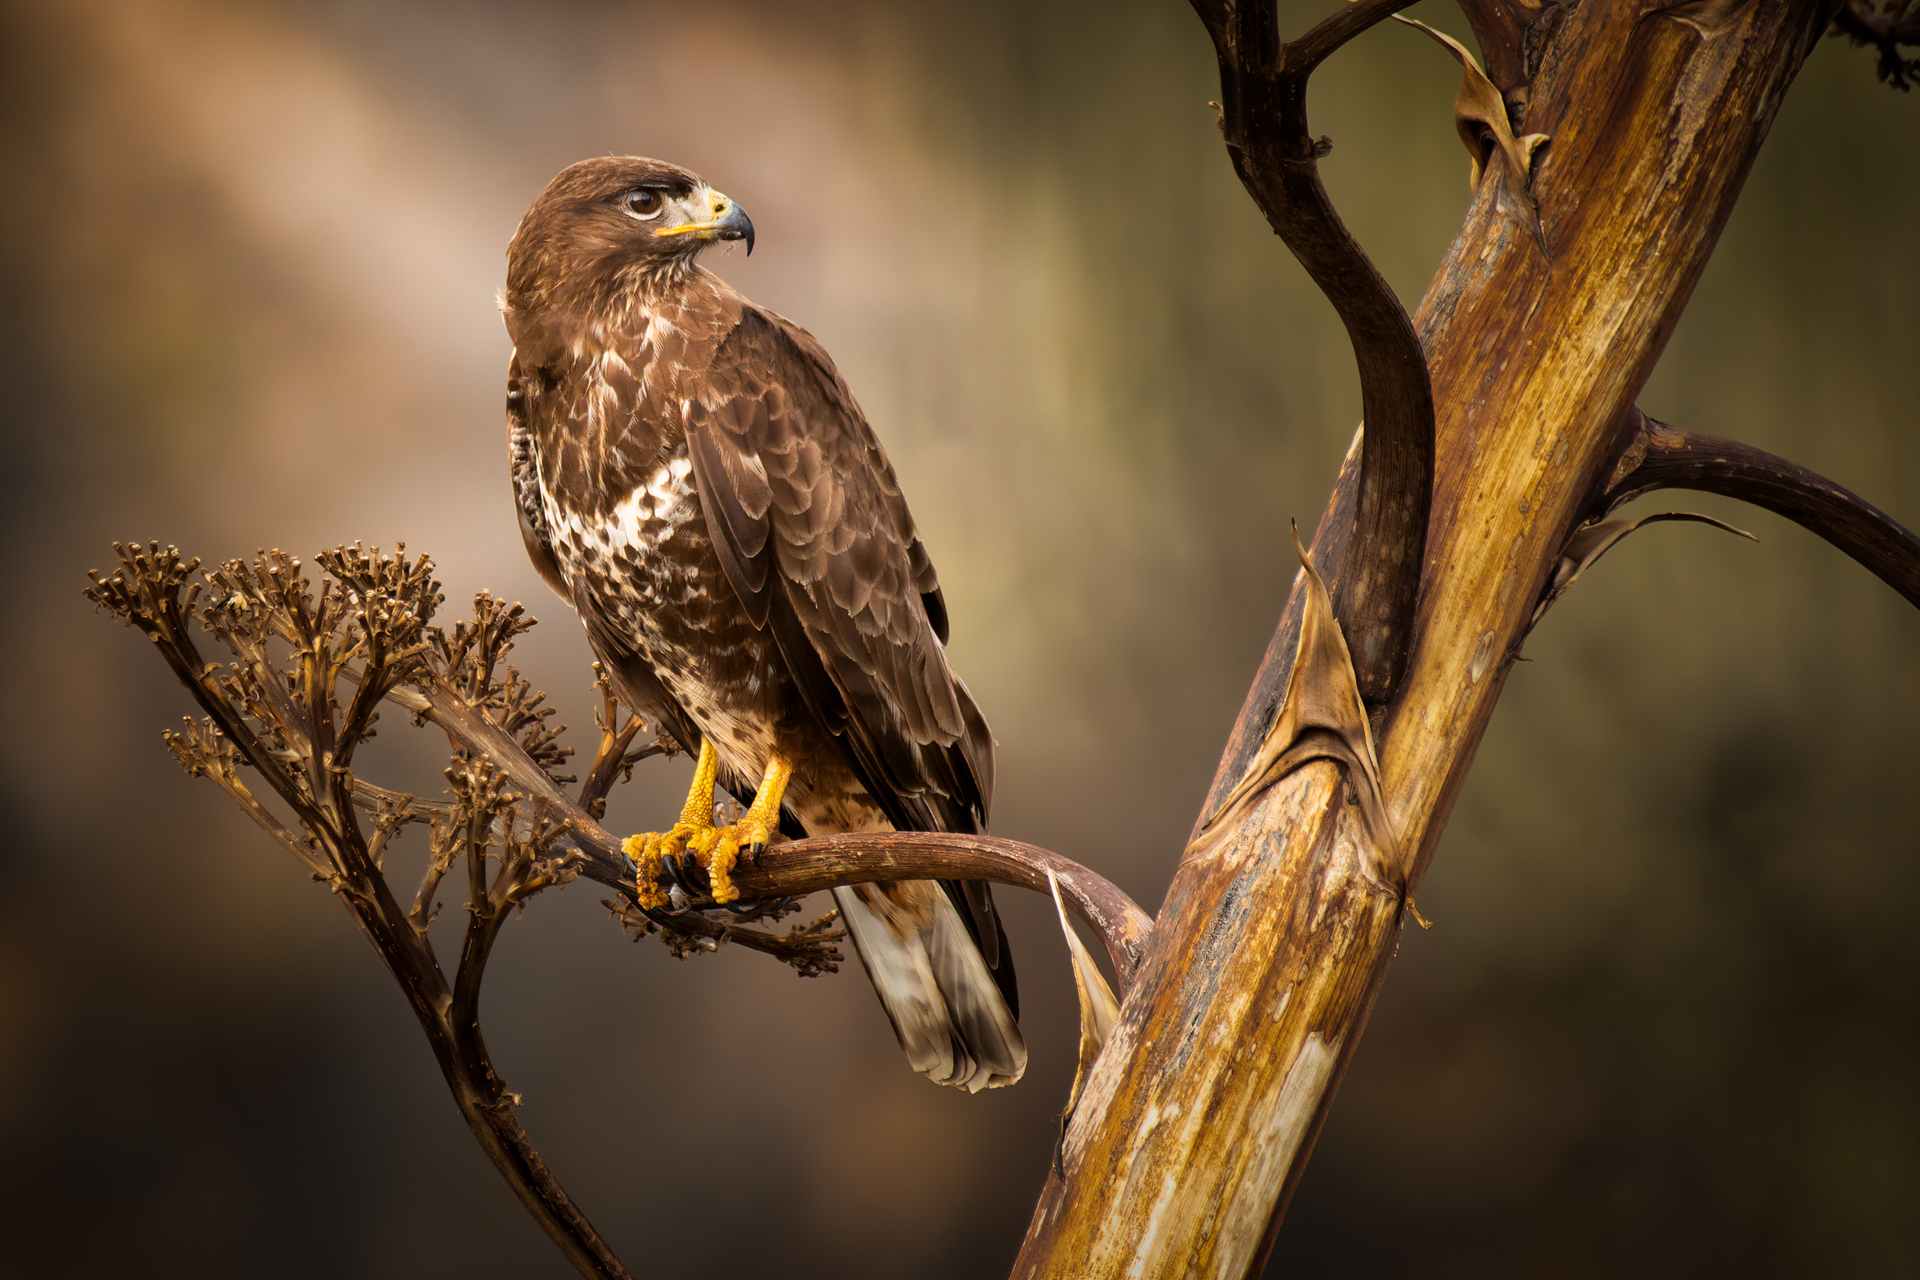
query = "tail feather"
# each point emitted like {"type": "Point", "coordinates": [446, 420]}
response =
{"type": "Point", "coordinates": [947, 1011]}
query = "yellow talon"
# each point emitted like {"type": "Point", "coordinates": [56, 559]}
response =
{"type": "Point", "coordinates": [648, 851]}
{"type": "Point", "coordinates": [717, 848]}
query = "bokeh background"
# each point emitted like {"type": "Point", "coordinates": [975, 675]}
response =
{"type": "Point", "coordinates": [1665, 1023]}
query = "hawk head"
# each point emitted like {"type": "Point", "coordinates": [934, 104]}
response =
{"type": "Point", "coordinates": [605, 232]}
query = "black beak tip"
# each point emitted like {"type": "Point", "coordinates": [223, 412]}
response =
{"type": "Point", "coordinates": [737, 226]}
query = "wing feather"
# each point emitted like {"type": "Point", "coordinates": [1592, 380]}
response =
{"type": "Point", "coordinates": [827, 554]}
{"type": "Point", "coordinates": [814, 535]}
{"type": "Point", "coordinates": [523, 459]}
{"type": "Point", "coordinates": [735, 495]}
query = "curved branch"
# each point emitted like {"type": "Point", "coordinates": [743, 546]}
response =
{"type": "Point", "coordinates": [1217, 15]}
{"type": "Point", "coordinates": [1375, 572]}
{"type": "Point", "coordinates": [282, 716]}
{"type": "Point", "coordinates": [791, 868]}
{"type": "Point", "coordinates": [821, 862]}
{"type": "Point", "coordinates": [1334, 30]}
{"type": "Point", "coordinates": [1676, 459]}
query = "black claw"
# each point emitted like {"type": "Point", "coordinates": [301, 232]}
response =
{"type": "Point", "coordinates": [671, 866]}
{"type": "Point", "coordinates": [695, 873]}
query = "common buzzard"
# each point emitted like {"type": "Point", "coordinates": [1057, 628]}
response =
{"type": "Point", "coordinates": [694, 477]}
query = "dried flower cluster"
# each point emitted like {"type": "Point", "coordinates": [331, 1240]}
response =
{"type": "Point", "coordinates": [300, 691]}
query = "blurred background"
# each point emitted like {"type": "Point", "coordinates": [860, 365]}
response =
{"type": "Point", "coordinates": [1665, 1022]}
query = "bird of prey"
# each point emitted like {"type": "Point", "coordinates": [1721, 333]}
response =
{"type": "Point", "coordinates": [694, 477]}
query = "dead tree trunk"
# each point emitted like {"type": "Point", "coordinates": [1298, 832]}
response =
{"type": "Point", "coordinates": [1539, 330]}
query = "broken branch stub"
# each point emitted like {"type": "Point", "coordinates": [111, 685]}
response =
{"type": "Point", "coordinates": [1098, 1006]}
{"type": "Point", "coordinates": [1180, 1152]}
{"type": "Point", "coordinates": [1502, 28]}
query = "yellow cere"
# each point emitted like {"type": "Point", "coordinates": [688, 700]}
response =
{"type": "Point", "coordinates": [715, 201]}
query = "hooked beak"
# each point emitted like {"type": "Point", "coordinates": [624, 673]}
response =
{"type": "Point", "coordinates": [735, 225]}
{"type": "Point", "coordinates": [729, 222]}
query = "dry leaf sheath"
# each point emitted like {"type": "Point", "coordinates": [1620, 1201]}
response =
{"type": "Point", "coordinates": [1322, 718]}
{"type": "Point", "coordinates": [1098, 1005]}
{"type": "Point", "coordinates": [1480, 118]}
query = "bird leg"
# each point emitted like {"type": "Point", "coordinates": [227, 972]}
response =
{"type": "Point", "coordinates": [716, 849]}
{"type": "Point", "coordinates": [721, 847]}
{"type": "Point", "coordinates": [649, 849]}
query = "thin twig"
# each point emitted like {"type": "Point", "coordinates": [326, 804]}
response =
{"type": "Point", "coordinates": [378, 799]}
{"type": "Point", "coordinates": [613, 762]}
{"type": "Point", "coordinates": [1334, 30]}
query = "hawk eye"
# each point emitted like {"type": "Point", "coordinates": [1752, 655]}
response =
{"type": "Point", "coordinates": [643, 202]}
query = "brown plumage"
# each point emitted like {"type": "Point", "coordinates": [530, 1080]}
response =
{"type": "Point", "coordinates": [694, 477]}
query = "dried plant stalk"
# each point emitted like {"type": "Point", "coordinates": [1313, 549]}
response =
{"type": "Point", "coordinates": [1204, 1105]}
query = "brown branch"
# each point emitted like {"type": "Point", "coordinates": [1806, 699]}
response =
{"type": "Point", "coordinates": [443, 846]}
{"type": "Point", "coordinates": [1500, 26]}
{"type": "Point", "coordinates": [1676, 459]}
{"type": "Point", "coordinates": [450, 1021]}
{"type": "Point", "coordinates": [612, 761]}
{"type": "Point", "coordinates": [821, 862]}
{"type": "Point", "coordinates": [1334, 30]}
{"type": "Point", "coordinates": [1375, 571]}
{"type": "Point", "coordinates": [377, 799]}
{"type": "Point", "coordinates": [806, 866]}
{"type": "Point", "coordinates": [1216, 16]}
{"type": "Point", "coordinates": [789, 868]}
{"type": "Point", "coordinates": [205, 753]}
